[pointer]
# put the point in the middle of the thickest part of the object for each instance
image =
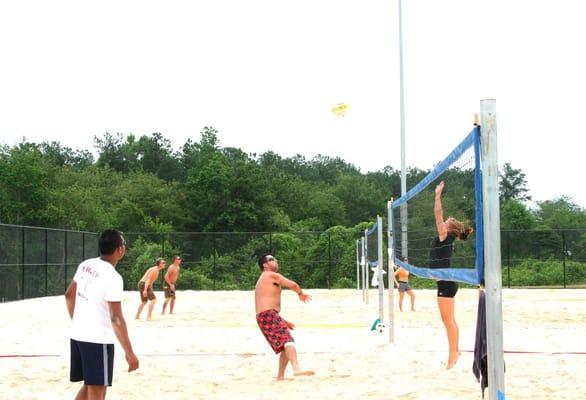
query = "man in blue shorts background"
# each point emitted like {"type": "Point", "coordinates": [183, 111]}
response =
{"type": "Point", "coordinates": [93, 301]}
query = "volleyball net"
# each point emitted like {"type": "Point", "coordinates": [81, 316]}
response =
{"type": "Point", "coordinates": [414, 232]}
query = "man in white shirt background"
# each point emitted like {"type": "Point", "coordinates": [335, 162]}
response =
{"type": "Point", "coordinates": [93, 301]}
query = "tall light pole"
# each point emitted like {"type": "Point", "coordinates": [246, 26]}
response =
{"type": "Point", "coordinates": [404, 242]}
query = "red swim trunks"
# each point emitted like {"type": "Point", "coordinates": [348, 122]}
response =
{"type": "Point", "coordinates": [275, 330]}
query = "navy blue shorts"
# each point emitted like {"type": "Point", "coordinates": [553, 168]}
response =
{"type": "Point", "coordinates": [447, 288]}
{"type": "Point", "coordinates": [92, 363]}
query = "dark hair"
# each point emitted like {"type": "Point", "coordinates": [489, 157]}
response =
{"type": "Point", "coordinates": [110, 240]}
{"type": "Point", "coordinates": [160, 260]}
{"type": "Point", "coordinates": [261, 260]}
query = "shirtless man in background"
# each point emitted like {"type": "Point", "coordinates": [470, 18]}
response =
{"type": "Point", "coordinates": [267, 298]}
{"type": "Point", "coordinates": [145, 287]}
{"type": "Point", "coordinates": [169, 284]}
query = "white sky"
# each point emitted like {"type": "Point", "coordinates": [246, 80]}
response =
{"type": "Point", "coordinates": [266, 74]}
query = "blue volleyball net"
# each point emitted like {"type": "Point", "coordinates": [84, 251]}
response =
{"type": "Point", "coordinates": [371, 250]}
{"type": "Point", "coordinates": [461, 199]}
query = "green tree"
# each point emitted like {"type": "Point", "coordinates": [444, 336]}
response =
{"type": "Point", "coordinates": [149, 154]}
{"type": "Point", "coordinates": [224, 190]}
{"type": "Point", "coordinates": [81, 198]}
{"type": "Point", "coordinates": [154, 154]}
{"type": "Point", "coordinates": [64, 156]}
{"type": "Point", "coordinates": [26, 179]}
{"type": "Point", "coordinates": [361, 198]}
{"type": "Point", "coordinates": [513, 184]}
{"type": "Point", "coordinates": [515, 215]}
{"type": "Point", "coordinates": [142, 198]}
{"type": "Point", "coordinates": [113, 151]}
{"type": "Point", "coordinates": [327, 207]}
{"type": "Point", "coordinates": [561, 213]}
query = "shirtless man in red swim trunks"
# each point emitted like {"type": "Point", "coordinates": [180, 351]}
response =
{"type": "Point", "coordinates": [267, 298]}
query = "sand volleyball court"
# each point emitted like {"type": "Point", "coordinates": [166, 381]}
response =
{"type": "Point", "coordinates": [212, 349]}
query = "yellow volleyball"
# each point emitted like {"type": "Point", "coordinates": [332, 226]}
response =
{"type": "Point", "coordinates": [340, 109]}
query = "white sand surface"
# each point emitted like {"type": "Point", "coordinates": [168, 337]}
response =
{"type": "Point", "coordinates": [211, 348]}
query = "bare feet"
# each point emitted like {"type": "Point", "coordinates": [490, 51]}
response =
{"type": "Point", "coordinates": [282, 378]}
{"type": "Point", "coordinates": [453, 359]}
{"type": "Point", "coordinates": [303, 373]}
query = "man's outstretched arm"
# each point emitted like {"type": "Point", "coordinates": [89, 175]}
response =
{"type": "Point", "coordinates": [289, 284]}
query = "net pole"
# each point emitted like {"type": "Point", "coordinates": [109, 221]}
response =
{"type": "Point", "coordinates": [404, 231]}
{"type": "Point", "coordinates": [492, 249]}
{"type": "Point", "coordinates": [357, 266]}
{"type": "Point", "coordinates": [367, 275]}
{"type": "Point", "coordinates": [391, 324]}
{"type": "Point", "coordinates": [381, 282]}
{"type": "Point", "coordinates": [364, 268]}
{"type": "Point", "coordinates": [402, 117]}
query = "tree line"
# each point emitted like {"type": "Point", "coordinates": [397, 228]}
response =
{"type": "Point", "coordinates": [140, 184]}
{"type": "Point", "coordinates": [143, 185]}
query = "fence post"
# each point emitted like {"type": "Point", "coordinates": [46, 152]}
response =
{"type": "Point", "coordinates": [22, 265]}
{"type": "Point", "coordinates": [65, 259]}
{"type": "Point", "coordinates": [564, 248]}
{"type": "Point", "coordinates": [214, 262]}
{"type": "Point", "coordinates": [46, 262]}
{"type": "Point", "coordinates": [162, 279]}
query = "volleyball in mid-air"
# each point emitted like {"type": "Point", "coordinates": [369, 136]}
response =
{"type": "Point", "coordinates": [340, 109]}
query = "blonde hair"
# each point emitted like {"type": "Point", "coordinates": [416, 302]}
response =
{"type": "Point", "coordinates": [459, 229]}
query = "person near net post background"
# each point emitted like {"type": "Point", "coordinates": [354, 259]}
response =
{"type": "Point", "coordinates": [403, 285]}
{"type": "Point", "coordinates": [441, 251]}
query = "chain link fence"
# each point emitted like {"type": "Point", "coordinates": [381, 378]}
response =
{"type": "Point", "coordinates": [548, 257]}
{"type": "Point", "coordinates": [36, 262]}
{"type": "Point", "coordinates": [221, 260]}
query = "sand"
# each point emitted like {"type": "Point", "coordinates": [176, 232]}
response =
{"type": "Point", "coordinates": [211, 348]}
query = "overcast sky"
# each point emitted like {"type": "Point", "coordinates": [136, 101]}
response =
{"type": "Point", "coordinates": [266, 73]}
